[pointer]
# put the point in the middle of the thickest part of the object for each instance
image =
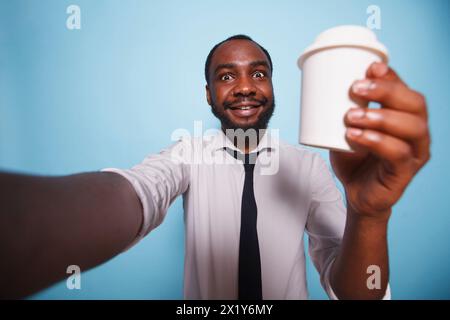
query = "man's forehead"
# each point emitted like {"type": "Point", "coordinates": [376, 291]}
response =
{"type": "Point", "coordinates": [238, 52]}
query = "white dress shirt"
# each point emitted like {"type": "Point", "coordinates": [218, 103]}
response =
{"type": "Point", "coordinates": [294, 192]}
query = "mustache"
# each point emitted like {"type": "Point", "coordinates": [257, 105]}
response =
{"type": "Point", "coordinates": [231, 104]}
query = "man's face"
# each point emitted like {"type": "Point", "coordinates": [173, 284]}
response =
{"type": "Point", "coordinates": [240, 88]}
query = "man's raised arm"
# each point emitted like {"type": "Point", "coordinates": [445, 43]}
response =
{"type": "Point", "coordinates": [49, 223]}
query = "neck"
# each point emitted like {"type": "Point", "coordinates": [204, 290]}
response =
{"type": "Point", "coordinates": [244, 140]}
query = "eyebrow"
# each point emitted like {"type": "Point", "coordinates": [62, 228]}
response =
{"type": "Point", "coordinates": [260, 63]}
{"type": "Point", "coordinates": [233, 65]}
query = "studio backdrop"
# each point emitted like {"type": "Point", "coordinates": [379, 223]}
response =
{"type": "Point", "coordinates": [87, 84]}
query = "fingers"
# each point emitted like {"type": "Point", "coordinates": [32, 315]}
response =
{"type": "Point", "coordinates": [404, 113]}
{"type": "Point", "coordinates": [390, 94]}
{"type": "Point", "coordinates": [402, 125]}
{"type": "Point", "coordinates": [381, 70]}
{"type": "Point", "coordinates": [396, 123]}
{"type": "Point", "coordinates": [400, 128]}
{"type": "Point", "coordinates": [383, 85]}
{"type": "Point", "coordinates": [394, 150]}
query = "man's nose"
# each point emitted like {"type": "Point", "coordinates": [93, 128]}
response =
{"type": "Point", "coordinates": [244, 87]}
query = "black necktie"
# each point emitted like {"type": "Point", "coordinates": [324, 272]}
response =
{"type": "Point", "coordinates": [249, 259]}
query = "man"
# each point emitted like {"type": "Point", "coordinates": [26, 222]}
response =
{"type": "Point", "coordinates": [244, 229]}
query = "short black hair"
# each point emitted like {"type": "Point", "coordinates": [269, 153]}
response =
{"type": "Point", "coordinates": [236, 37]}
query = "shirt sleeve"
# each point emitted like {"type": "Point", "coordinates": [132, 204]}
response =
{"type": "Point", "coordinates": [157, 180]}
{"type": "Point", "coordinates": [326, 223]}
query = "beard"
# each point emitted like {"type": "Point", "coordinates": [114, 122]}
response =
{"type": "Point", "coordinates": [227, 123]}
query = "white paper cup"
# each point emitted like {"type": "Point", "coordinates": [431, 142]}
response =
{"type": "Point", "coordinates": [337, 58]}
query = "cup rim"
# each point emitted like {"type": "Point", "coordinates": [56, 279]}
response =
{"type": "Point", "coordinates": [301, 60]}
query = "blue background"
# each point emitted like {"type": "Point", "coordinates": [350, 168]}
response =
{"type": "Point", "coordinates": [111, 93]}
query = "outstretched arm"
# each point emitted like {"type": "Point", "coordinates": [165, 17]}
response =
{"type": "Point", "coordinates": [49, 223]}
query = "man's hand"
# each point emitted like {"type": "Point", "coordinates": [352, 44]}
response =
{"type": "Point", "coordinates": [391, 143]}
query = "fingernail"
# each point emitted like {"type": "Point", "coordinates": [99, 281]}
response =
{"type": "Point", "coordinates": [355, 113]}
{"type": "Point", "coordinates": [380, 69]}
{"type": "Point", "coordinates": [354, 132]}
{"type": "Point", "coordinates": [363, 87]}
{"type": "Point", "coordinates": [372, 136]}
{"type": "Point", "coordinates": [372, 115]}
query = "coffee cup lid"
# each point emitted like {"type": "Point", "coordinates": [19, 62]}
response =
{"type": "Point", "coordinates": [347, 35]}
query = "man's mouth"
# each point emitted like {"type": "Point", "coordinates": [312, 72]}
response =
{"type": "Point", "coordinates": [245, 107]}
{"type": "Point", "coordinates": [245, 110]}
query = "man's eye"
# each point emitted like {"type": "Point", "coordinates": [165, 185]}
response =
{"type": "Point", "coordinates": [226, 77]}
{"type": "Point", "coordinates": [259, 74]}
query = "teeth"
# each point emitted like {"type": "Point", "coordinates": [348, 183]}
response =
{"type": "Point", "coordinates": [245, 108]}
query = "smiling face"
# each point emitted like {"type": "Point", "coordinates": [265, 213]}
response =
{"type": "Point", "coordinates": [240, 90]}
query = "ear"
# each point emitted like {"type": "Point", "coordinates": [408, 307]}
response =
{"type": "Point", "coordinates": [208, 95]}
